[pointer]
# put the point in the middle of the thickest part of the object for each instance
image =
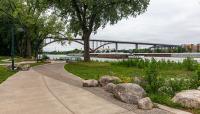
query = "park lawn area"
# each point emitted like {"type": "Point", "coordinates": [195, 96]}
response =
{"type": "Point", "coordinates": [5, 73]}
{"type": "Point", "coordinates": [94, 70]}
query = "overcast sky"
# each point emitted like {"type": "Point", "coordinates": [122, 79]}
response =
{"type": "Point", "coordinates": [165, 21]}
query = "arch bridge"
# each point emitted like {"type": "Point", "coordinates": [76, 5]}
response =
{"type": "Point", "coordinates": [97, 44]}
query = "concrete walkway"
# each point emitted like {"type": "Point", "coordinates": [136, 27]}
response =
{"type": "Point", "coordinates": [33, 93]}
{"type": "Point", "coordinates": [49, 89]}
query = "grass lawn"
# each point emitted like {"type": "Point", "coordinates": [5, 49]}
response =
{"type": "Point", "coordinates": [37, 64]}
{"type": "Point", "coordinates": [5, 73]}
{"type": "Point", "coordinates": [94, 70]}
{"type": "Point", "coordinates": [17, 59]}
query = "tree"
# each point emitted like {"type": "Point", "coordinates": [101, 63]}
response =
{"type": "Point", "coordinates": [86, 16]}
{"type": "Point", "coordinates": [33, 16]}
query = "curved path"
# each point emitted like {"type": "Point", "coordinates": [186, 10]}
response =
{"type": "Point", "coordinates": [49, 89]}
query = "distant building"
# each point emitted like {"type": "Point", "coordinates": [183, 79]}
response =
{"type": "Point", "coordinates": [191, 47]}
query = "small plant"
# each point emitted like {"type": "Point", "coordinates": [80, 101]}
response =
{"type": "Point", "coordinates": [198, 73]}
{"type": "Point", "coordinates": [190, 64]}
{"type": "Point", "coordinates": [178, 84]}
{"type": "Point", "coordinates": [152, 76]}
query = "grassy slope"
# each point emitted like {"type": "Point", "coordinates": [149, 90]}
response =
{"type": "Point", "coordinates": [5, 73]}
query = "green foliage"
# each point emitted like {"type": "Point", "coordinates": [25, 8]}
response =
{"type": "Point", "coordinates": [164, 99]}
{"type": "Point", "coordinates": [35, 19]}
{"type": "Point", "coordinates": [5, 73]}
{"type": "Point", "coordinates": [151, 77]}
{"type": "Point", "coordinates": [190, 64]}
{"type": "Point", "coordinates": [92, 14]}
{"type": "Point", "coordinates": [198, 73]}
{"type": "Point", "coordinates": [85, 17]}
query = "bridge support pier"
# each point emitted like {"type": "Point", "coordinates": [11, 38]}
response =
{"type": "Point", "coordinates": [93, 45]}
{"type": "Point", "coordinates": [116, 47]}
{"type": "Point", "coordinates": [136, 48]}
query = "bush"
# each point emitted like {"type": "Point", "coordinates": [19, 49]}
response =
{"type": "Point", "coordinates": [152, 77]}
{"type": "Point", "coordinates": [178, 84]}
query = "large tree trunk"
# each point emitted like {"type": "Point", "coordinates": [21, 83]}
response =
{"type": "Point", "coordinates": [86, 38]}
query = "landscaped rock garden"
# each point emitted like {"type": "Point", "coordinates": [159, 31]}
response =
{"type": "Point", "coordinates": [126, 92]}
{"type": "Point", "coordinates": [20, 67]}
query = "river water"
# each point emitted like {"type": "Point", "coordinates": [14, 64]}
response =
{"type": "Point", "coordinates": [175, 59]}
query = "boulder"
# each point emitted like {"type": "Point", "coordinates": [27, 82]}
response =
{"type": "Point", "coordinates": [145, 104]}
{"type": "Point", "coordinates": [129, 93]}
{"type": "Point", "coordinates": [104, 80]}
{"type": "Point", "coordinates": [188, 98]}
{"type": "Point", "coordinates": [24, 67]}
{"type": "Point", "coordinates": [110, 87]}
{"type": "Point", "coordinates": [90, 83]}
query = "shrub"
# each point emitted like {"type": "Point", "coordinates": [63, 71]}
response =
{"type": "Point", "coordinates": [178, 84]}
{"type": "Point", "coordinates": [152, 77]}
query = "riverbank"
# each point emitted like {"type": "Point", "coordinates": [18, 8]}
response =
{"type": "Point", "coordinates": [179, 78]}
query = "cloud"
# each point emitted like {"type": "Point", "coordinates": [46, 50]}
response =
{"type": "Point", "coordinates": [166, 21]}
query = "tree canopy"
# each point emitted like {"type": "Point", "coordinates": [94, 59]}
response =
{"type": "Point", "coordinates": [86, 16]}
{"type": "Point", "coordinates": [35, 19]}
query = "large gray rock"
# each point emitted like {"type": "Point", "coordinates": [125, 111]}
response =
{"type": "Point", "coordinates": [90, 83]}
{"type": "Point", "coordinates": [104, 80]}
{"type": "Point", "coordinates": [188, 98]}
{"type": "Point", "coordinates": [145, 104]}
{"type": "Point", "coordinates": [129, 93]}
{"type": "Point", "coordinates": [198, 88]}
{"type": "Point", "coordinates": [110, 87]}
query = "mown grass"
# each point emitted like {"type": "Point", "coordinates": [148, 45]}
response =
{"type": "Point", "coordinates": [5, 73]}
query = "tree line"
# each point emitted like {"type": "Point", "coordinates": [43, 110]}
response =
{"type": "Point", "coordinates": [40, 19]}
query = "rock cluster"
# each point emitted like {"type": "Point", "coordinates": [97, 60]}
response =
{"type": "Point", "coordinates": [126, 92]}
{"type": "Point", "coordinates": [21, 67]}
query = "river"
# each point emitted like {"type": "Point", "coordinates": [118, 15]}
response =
{"type": "Point", "coordinates": [175, 59]}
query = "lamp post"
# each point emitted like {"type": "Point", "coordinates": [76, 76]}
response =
{"type": "Point", "coordinates": [13, 48]}
{"type": "Point", "coordinates": [13, 45]}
